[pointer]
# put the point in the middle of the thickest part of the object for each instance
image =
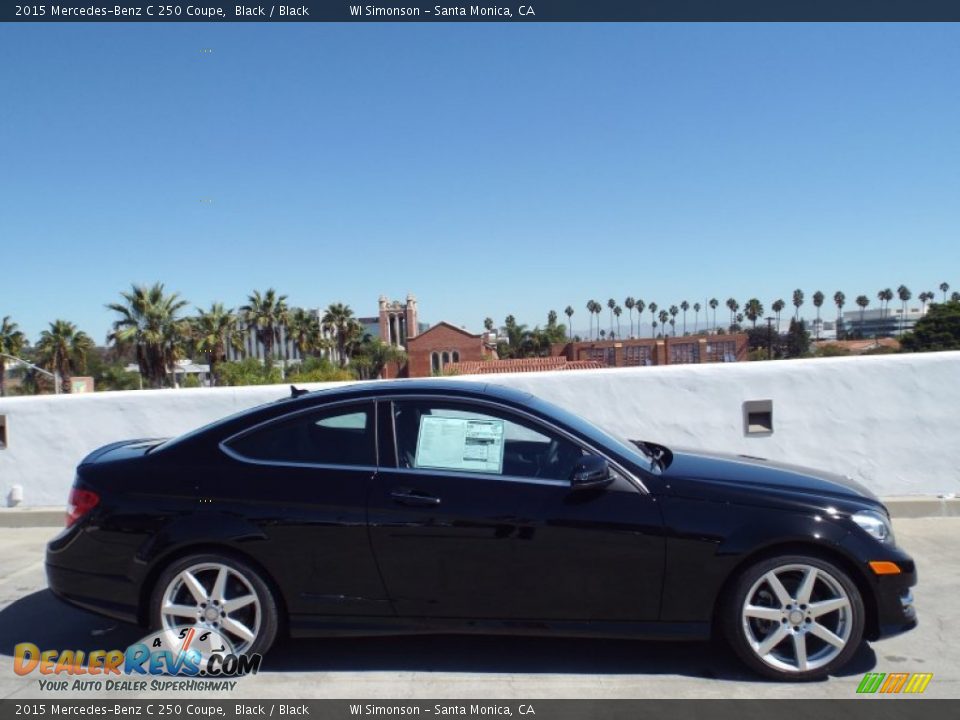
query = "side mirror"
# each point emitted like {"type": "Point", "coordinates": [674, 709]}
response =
{"type": "Point", "coordinates": [592, 471]}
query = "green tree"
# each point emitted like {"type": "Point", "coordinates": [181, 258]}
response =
{"type": "Point", "coordinates": [818, 298]}
{"type": "Point", "coordinates": [839, 299]}
{"type": "Point", "coordinates": [12, 342]}
{"type": "Point", "coordinates": [939, 329]}
{"type": "Point", "coordinates": [148, 325]}
{"type": "Point", "coordinates": [652, 307]}
{"type": "Point", "coordinates": [713, 306]}
{"type": "Point", "coordinates": [884, 296]}
{"type": "Point", "coordinates": [943, 288]}
{"type": "Point", "coordinates": [903, 292]}
{"type": "Point", "coordinates": [249, 372]}
{"type": "Point", "coordinates": [266, 314]}
{"type": "Point", "coordinates": [797, 302]}
{"type": "Point", "coordinates": [753, 310]}
{"type": "Point", "coordinates": [63, 349]}
{"type": "Point", "coordinates": [664, 315]}
{"type": "Point", "coordinates": [339, 321]}
{"type": "Point", "coordinates": [618, 311]}
{"type": "Point", "coordinates": [696, 317]}
{"type": "Point", "coordinates": [569, 313]}
{"type": "Point", "coordinates": [732, 306]}
{"type": "Point", "coordinates": [303, 328]}
{"type": "Point", "coordinates": [372, 355]}
{"type": "Point", "coordinates": [611, 303]}
{"type": "Point", "coordinates": [488, 323]}
{"type": "Point", "coordinates": [684, 306]}
{"type": "Point", "coordinates": [862, 302]}
{"type": "Point", "coordinates": [777, 307]}
{"type": "Point", "coordinates": [797, 342]}
{"type": "Point", "coordinates": [640, 305]}
{"type": "Point", "coordinates": [629, 303]}
{"type": "Point", "coordinates": [213, 331]}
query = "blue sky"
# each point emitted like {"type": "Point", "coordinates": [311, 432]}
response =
{"type": "Point", "coordinates": [489, 169]}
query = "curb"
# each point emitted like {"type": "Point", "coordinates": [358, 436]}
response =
{"type": "Point", "coordinates": [900, 507]}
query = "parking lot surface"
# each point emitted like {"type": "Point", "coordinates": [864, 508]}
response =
{"type": "Point", "coordinates": [462, 667]}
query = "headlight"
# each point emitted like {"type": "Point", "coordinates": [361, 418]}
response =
{"type": "Point", "coordinates": [876, 524]}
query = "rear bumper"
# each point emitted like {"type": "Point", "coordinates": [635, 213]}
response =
{"type": "Point", "coordinates": [97, 593]}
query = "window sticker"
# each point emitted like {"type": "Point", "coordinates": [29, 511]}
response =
{"type": "Point", "coordinates": [452, 443]}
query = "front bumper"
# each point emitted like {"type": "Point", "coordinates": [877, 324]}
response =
{"type": "Point", "coordinates": [891, 596]}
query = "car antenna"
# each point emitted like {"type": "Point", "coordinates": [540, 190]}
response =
{"type": "Point", "coordinates": [296, 392]}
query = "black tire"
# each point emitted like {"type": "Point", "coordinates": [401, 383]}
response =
{"type": "Point", "coordinates": [738, 626]}
{"type": "Point", "coordinates": [268, 622]}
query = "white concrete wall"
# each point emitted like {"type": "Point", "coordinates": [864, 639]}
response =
{"type": "Point", "coordinates": [892, 422]}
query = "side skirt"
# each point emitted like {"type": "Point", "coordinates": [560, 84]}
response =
{"type": "Point", "coordinates": [328, 626]}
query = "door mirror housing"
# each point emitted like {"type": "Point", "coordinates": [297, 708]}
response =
{"type": "Point", "coordinates": [592, 471]}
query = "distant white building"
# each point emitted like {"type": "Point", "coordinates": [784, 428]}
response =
{"type": "Point", "coordinates": [876, 322]}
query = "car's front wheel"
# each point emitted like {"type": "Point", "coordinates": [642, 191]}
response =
{"type": "Point", "coordinates": [794, 617]}
{"type": "Point", "coordinates": [219, 593]}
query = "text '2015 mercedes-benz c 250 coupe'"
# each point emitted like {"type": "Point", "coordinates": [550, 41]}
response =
{"type": "Point", "coordinates": [446, 506]}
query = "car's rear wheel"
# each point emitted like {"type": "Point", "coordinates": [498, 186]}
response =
{"type": "Point", "coordinates": [794, 617]}
{"type": "Point", "coordinates": [220, 593]}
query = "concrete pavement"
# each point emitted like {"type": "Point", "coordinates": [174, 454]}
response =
{"type": "Point", "coordinates": [497, 667]}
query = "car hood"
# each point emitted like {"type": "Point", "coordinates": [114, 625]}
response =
{"type": "Point", "coordinates": [745, 471]}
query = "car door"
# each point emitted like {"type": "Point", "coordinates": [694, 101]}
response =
{"type": "Point", "coordinates": [296, 490]}
{"type": "Point", "coordinates": [477, 519]}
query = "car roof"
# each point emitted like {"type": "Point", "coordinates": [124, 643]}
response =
{"type": "Point", "coordinates": [428, 386]}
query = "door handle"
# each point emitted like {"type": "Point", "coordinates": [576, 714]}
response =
{"type": "Point", "coordinates": [406, 496]}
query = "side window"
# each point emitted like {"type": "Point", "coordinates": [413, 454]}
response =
{"type": "Point", "coordinates": [336, 436]}
{"type": "Point", "coordinates": [460, 437]}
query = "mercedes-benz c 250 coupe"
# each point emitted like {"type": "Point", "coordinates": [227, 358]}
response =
{"type": "Point", "coordinates": [446, 506]}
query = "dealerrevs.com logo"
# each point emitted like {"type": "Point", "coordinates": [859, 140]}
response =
{"type": "Point", "coordinates": [185, 652]}
{"type": "Point", "coordinates": [893, 683]}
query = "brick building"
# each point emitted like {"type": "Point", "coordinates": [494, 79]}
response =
{"type": "Point", "coordinates": [657, 351]}
{"type": "Point", "coordinates": [432, 350]}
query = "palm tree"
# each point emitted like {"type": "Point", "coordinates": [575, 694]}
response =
{"type": "Point", "coordinates": [955, 296]}
{"type": "Point", "coordinates": [214, 331]}
{"type": "Point", "coordinates": [597, 309]}
{"type": "Point", "coordinates": [684, 305]}
{"type": "Point", "coordinates": [652, 307]}
{"type": "Point", "coordinates": [818, 298]}
{"type": "Point", "coordinates": [732, 306]}
{"type": "Point", "coordinates": [640, 306]}
{"type": "Point", "coordinates": [303, 328]}
{"type": "Point", "coordinates": [797, 302]}
{"type": "Point", "coordinates": [267, 314]}
{"type": "Point", "coordinates": [839, 299]}
{"type": "Point", "coordinates": [903, 292]}
{"type": "Point", "coordinates": [569, 313]}
{"type": "Point", "coordinates": [924, 298]}
{"type": "Point", "coordinates": [664, 315]}
{"type": "Point", "coordinates": [338, 320]}
{"type": "Point", "coordinates": [12, 342]}
{"type": "Point", "coordinates": [943, 288]}
{"type": "Point", "coordinates": [674, 311]}
{"type": "Point", "coordinates": [753, 310]}
{"type": "Point", "coordinates": [696, 317]}
{"type": "Point", "coordinates": [629, 304]}
{"type": "Point", "coordinates": [713, 306]}
{"type": "Point", "coordinates": [148, 323]}
{"type": "Point", "coordinates": [862, 302]}
{"type": "Point", "coordinates": [488, 323]}
{"type": "Point", "coordinates": [611, 303]}
{"type": "Point", "coordinates": [63, 349]}
{"type": "Point", "coordinates": [777, 307]}
{"type": "Point", "coordinates": [617, 311]}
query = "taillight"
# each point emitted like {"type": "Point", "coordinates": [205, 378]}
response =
{"type": "Point", "coordinates": [80, 503]}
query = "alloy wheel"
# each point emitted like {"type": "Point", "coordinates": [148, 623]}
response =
{"type": "Point", "coordinates": [797, 618]}
{"type": "Point", "coordinates": [214, 596]}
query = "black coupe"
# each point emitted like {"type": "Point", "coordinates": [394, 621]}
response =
{"type": "Point", "coordinates": [446, 506]}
